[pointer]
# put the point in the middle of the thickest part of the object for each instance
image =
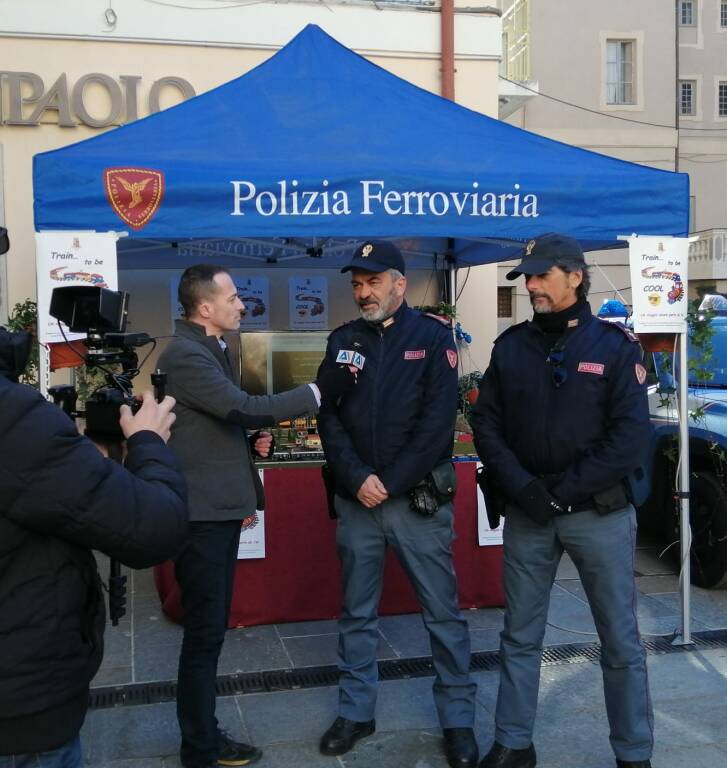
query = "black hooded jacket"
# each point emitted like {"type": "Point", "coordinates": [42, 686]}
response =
{"type": "Point", "coordinates": [59, 499]}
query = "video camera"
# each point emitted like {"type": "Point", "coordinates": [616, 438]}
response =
{"type": "Point", "coordinates": [101, 314]}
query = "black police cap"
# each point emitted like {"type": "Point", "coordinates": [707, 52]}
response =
{"type": "Point", "coordinates": [376, 256]}
{"type": "Point", "coordinates": [540, 254]}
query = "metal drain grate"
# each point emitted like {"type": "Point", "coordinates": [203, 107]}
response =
{"type": "Point", "coordinates": [134, 694]}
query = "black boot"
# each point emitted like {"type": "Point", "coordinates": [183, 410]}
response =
{"type": "Point", "coordinates": [460, 747]}
{"type": "Point", "coordinates": [500, 756]}
{"type": "Point", "coordinates": [633, 764]}
{"type": "Point", "coordinates": [343, 734]}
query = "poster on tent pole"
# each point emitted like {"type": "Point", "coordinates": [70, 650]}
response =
{"type": "Point", "coordinates": [308, 303]}
{"type": "Point", "coordinates": [486, 536]}
{"type": "Point", "coordinates": [252, 532]}
{"type": "Point", "coordinates": [71, 258]}
{"type": "Point", "coordinates": [659, 283]}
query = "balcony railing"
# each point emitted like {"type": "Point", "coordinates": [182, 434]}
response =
{"type": "Point", "coordinates": [708, 256]}
{"type": "Point", "coordinates": [516, 41]}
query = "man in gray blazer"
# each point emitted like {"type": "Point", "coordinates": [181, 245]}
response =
{"type": "Point", "coordinates": [210, 439]}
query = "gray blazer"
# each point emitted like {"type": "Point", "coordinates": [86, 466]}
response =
{"type": "Point", "coordinates": [209, 435]}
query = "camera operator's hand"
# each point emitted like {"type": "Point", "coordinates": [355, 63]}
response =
{"type": "Point", "coordinates": [152, 416]}
{"type": "Point", "coordinates": [336, 382]}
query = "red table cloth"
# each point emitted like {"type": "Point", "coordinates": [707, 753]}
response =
{"type": "Point", "coordinates": [300, 577]}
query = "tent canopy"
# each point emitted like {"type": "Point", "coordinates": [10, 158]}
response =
{"type": "Point", "coordinates": [316, 148]}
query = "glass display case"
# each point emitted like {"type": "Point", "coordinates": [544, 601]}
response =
{"type": "Point", "coordinates": [275, 362]}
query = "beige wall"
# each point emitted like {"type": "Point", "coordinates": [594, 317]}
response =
{"type": "Point", "coordinates": [567, 55]}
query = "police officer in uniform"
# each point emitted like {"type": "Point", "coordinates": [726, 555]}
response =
{"type": "Point", "coordinates": [388, 443]}
{"type": "Point", "coordinates": [561, 421]}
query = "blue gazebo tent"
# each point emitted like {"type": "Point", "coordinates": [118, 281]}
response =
{"type": "Point", "coordinates": [317, 147]}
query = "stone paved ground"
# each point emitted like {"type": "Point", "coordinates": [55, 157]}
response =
{"type": "Point", "coordinates": [689, 688]}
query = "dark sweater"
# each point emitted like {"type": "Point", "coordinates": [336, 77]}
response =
{"type": "Point", "coordinates": [59, 499]}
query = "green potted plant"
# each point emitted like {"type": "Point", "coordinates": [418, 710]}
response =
{"type": "Point", "coordinates": [24, 317]}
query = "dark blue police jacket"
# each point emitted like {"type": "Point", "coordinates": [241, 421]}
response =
{"type": "Point", "coordinates": [591, 431]}
{"type": "Point", "coordinates": [398, 421]}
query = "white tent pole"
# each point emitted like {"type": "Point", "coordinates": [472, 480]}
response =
{"type": "Point", "coordinates": [43, 370]}
{"type": "Point", "coordinates": [685, 531]}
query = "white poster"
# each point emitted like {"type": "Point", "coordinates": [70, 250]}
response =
{"type": "Point", "coordinates": [252, 535]}
{"type": "Point", "coordinates": [308, 301]}
{"type": "Point", "coordinates": [659, 283]}
{"type": "Point", "coordinates": [71, 258]}
{"type": "Point", "coordinates": [486, 536]}
{"type": "Point", "coordinates": [254, 293]}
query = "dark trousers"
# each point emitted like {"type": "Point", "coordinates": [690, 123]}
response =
{"type": "Point", "coordinates": [423, 546]}
{"type": "Point", "coordinates": [205, 573]}
{"type": "Point", "coordinates": [602, 549]}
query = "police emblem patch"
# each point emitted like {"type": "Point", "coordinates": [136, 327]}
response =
{"type": "Point", "coordinates": [135, 194]}
{"type": "Point", "coordinates": [452, 358]}
{"type": "Point", "coordinates": [366, 250]}
{"type": "Point", "coordinates": [640, 373]}
{"type": "Point", "coordinates": [529, 247]}
{"type": "Point", "coordinates": [415, 354]}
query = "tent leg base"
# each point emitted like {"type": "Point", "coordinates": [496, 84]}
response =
{"type": "Point", "coordinates": [682, 639]}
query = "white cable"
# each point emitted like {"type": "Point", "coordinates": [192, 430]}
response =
{"type": "Point", "coordinates": [608, 280]}
{"type": "Point", "coordinates": [215, 7]}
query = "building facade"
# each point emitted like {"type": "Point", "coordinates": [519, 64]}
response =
{"type": "Point", "coordinates": [645, 82]}
{"type": "Point", "coordinates": [702, 106]}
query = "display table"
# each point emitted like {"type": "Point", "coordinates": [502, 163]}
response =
{"type": "Point", "coordinates": [300, 577]}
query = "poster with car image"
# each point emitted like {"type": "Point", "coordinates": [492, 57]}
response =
{"type": "Point", "coordinates": [308, 301]}
{"type": "Point", "coordinates": [254, 293]}
{"type": "Point", "coordinates": [659, 283]}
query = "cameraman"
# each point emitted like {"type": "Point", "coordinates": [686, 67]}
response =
{"type": "Point", "coordinates": [59, 499]}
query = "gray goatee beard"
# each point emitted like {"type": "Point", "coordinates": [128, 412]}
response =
{"type": "Point", "coordinates": [541, 308]}
{"type": "Point", "coordinates": [380, 313]}
{"type": "Point", "coordinates": [373, 315]}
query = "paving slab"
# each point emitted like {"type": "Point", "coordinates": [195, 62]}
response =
{"type": "Point", "coordinates": [708, 606]}
{"type": "Point", "coordinates": [156, 661]}
{"type": "Point", "coordinates": [319, 650]}
{"type": "Point", "coordinates": [654, 585]}
{"type": "Point", "coordinates": [566, 568]}
{"type": "Point", "coordinates": [147, 731]}
{"type": "Point", "coordinates": [253, 649]}
{"type": "Point", "coordinates": [305, 628]}
{"type": "Point", "coordinates": [285, 716]}
{"type": "Point", "coordinates": [135, 762]}
{"type": "Point", "coordinates": [485, 618]}
{"type": "Point", "coordinates": [484, 640]}
{"type": "Point", "coordinates": [406, 634]}
{"type": "Point", "coordinates": [649, 561]}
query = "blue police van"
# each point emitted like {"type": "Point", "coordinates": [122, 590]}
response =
{"type": "Point", "coordinates": [707, 454]}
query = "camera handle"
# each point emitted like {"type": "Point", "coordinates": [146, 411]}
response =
{"type": "Point", "coordinates": [65, 396]}
{"type": "Point", "coordinates": [117, 580]}
{"type": "Point", "coordinates": [159, 382]}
